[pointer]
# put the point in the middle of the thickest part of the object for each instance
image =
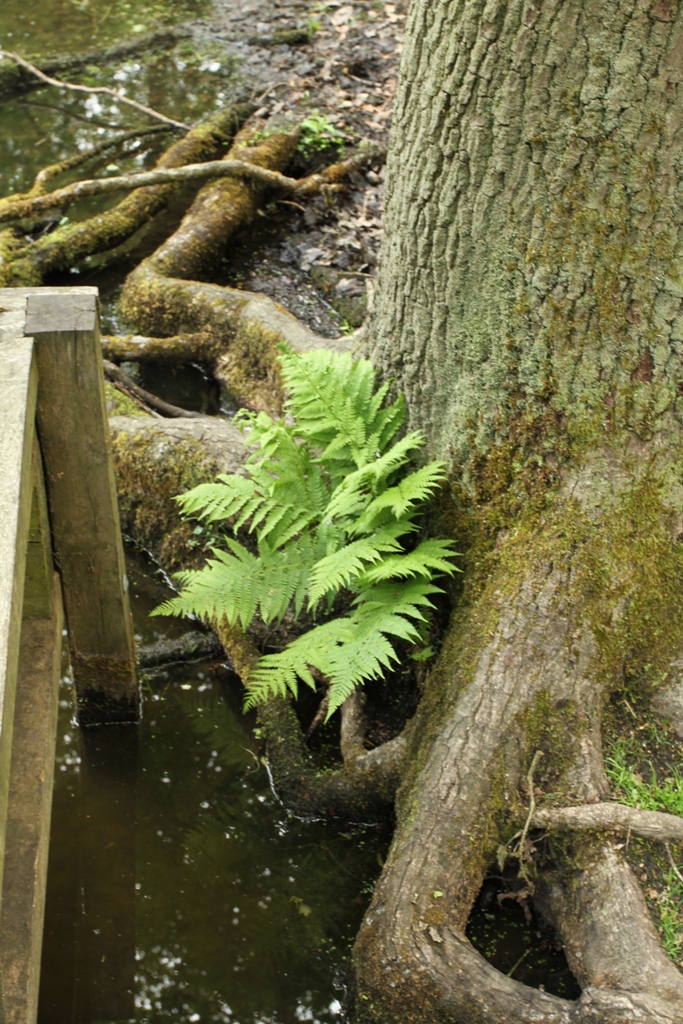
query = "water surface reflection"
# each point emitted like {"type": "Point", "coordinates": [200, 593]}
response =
{"type": "Point", "coordinates": [179, 887]}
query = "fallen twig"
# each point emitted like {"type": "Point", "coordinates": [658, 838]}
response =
{"type": "Point", "coordinates": [102, 90]}
{"type": "Point", "coordinates": [15, 209]}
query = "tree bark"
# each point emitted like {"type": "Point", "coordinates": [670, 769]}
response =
{"type": "Point", "coordinates": [529, 304]}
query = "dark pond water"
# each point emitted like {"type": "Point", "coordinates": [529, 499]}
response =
{"type": "Point", "coordinates": [189, 386]}
{"type": "Point", "coordinates": [518, 943]}
{"type": "Point", "coordinates": [179, 888]}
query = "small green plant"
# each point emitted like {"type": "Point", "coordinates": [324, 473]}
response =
{"type": "Point", "coordinates": [671, 918]}
{"type": "Point", "coordinates": [332, 505]}
{"type": "Point", "coordinates": [648, 796]}
{"type": "Point", "coordinates": [318, 133]}
{"type": "Point", "coordinates": [632, 789]}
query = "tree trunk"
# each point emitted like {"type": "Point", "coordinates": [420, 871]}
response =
{"type": "Point", "coordinates": [530, 306]}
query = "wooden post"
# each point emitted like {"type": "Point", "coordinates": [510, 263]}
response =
{"type": "Point", "coordinates": [74, 440]}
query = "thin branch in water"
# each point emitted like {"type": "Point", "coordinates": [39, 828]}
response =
{"type": "Point", "coordinates": [101, 90]}
{"type": "Point", "coordinates": [117, 376]}
{"type": "Point", "coordinates": [518, 963]}
{"type": "Point", "coordinates": [72, 113]}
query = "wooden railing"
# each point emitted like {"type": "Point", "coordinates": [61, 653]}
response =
{"type": "Point", "coordinates": [61, 563]}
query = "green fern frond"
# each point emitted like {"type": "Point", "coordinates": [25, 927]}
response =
{"type": "Point", "coordinates": [428, 558]}
{"type": "Point", "coordinates": [399, 597]}
{"type": "Point", "coordinates": [339, 568]}
{"type": "Point", "coordinates": [329, 499]}
{"type": "Point", "coordinates": [238, 584]}
{"type": "Point", "coordinates": [359, 487]}
{"type": "Point", "coordinates": [366, 657]}
{"type": "Point", "coordinates": [275, 674]}
{"type": "Point", "coordinates": [220, 500]}
{"type": "Point", "coordinates": [400, 500]}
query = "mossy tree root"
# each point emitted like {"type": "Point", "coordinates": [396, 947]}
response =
{"type": "Point", "coordinates": [67, 245]}
{"type": "Point", "coordinates": [201, 347]}
{"type": "Point", "coordinates": [156, 459]}
{"type": "Point", "coordinates": [161, 297]}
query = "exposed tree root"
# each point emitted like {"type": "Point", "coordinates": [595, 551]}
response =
{"type": "Point", "coordinates": [201, 347]}
{"type": "Point", "coordinates": [15, 79]}
{"type": "Point", "coordinates": [612, 816]}
{"type": "Point", "coordinates": [160, 297]}
{"type": "Point", "coordinates": [190, 647]}
{"type": "Point", "coordinates": [156, 459]}
{"type": "Point", "coordinates": [598, 908]}
{"type": "Point", "coordinates": [352, 739]}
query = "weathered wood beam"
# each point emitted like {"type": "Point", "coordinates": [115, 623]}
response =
{"type": "Point", "coordinates": [30, 802]}
{"type": "Point", "coordinates": [18, 388]}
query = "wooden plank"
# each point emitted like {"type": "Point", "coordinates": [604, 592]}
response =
{"type": "Point", "coordinates": [30, 805]}
{"type": "Point", "coordinates": [74, 438]}
{"type": "Point", "coordinates": [18, 386]}
{"type": "Point", "coordinates": [38, 599]}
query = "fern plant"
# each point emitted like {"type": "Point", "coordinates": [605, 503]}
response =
{"type": "Point", "coordinates": [330, 500]}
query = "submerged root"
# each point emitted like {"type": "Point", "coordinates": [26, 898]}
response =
{"type": "Point", "coordinates": [362, 790]}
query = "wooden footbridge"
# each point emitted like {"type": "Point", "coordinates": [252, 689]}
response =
{"type": "Point", "coordinates": [62, 573]}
